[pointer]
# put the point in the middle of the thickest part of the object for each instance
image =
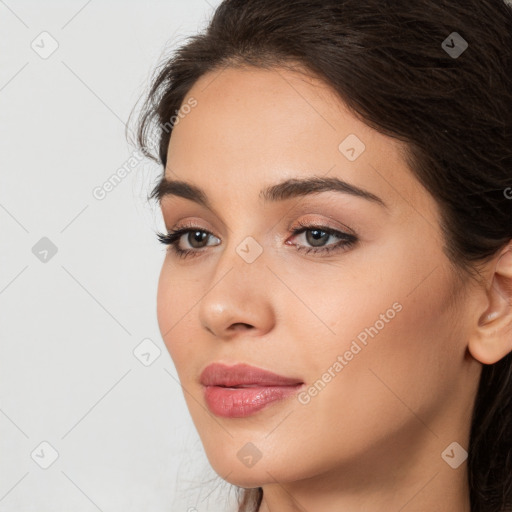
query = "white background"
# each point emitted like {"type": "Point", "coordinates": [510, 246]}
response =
{"type": "Point", "coordinates": [68, 326]}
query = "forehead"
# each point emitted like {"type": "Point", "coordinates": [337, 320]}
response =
{"type": "Point", "coordinates": [262, 109]}
{"type": "Point", "coordinates": [252, 125]}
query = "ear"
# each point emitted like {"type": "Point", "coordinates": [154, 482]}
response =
{"type": "Point", "coordinates": [492, 338]}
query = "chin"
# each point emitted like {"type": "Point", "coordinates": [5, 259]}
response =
{"type": "Point", "coordinates": [266, 470]}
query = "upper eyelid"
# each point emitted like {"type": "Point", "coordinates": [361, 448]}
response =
{"type": "Point", "coordinates": [309, 202]}
{"type": "Point", "coordinates": [300, 227]}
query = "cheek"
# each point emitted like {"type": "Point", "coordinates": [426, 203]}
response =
{"type": "Point", "coordinates": [388, 316]}
{"type": "Point", "coordinates": [176, 298]}
{"type": "Point", "coordinates": [394, 354]}
{"type": "Point", "coordinates": [165, 302]}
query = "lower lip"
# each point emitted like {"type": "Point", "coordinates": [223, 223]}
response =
{"type": "Point", "coordinates": [242, 402]}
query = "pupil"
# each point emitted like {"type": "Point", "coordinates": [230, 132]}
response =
{"type": "Point", "coordinates": [197, 237]}
{"type": "Point", "coordinates": [317, 236]}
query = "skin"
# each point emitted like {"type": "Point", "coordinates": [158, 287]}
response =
{"type": "Point", "coordinates": [372, 438]}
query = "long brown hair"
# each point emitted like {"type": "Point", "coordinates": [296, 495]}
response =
{"type": "Point", "coordinates": [401, 69]}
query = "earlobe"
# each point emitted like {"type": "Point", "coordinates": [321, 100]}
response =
{"type": "Point", "coordinates": [492, 338]}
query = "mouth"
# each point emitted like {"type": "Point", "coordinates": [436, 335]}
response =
{"type": "Point", "coordinates": [239, 402]}
{"type": "Point", "coordinates": [242, 390]}
{"type": "Point", "coordinates": [240, 375]}
{"type": "Point", "coordinates": [243, 386]}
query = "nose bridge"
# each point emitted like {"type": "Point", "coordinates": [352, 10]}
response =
{"type": "Point", "coordinates": [241, 264]}
{"type": "Point", "coordinates": [238, 292]}
{"type": "Point", "coordinates": [243, 252]}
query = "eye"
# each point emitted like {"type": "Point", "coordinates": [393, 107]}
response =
{"type": "Point", "coordinates": [193, 235]}
{"type": "Point", "coordinates": [317, 236]}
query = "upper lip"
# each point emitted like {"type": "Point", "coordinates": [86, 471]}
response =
{"type": "Point", "coordinates": [219, 374]}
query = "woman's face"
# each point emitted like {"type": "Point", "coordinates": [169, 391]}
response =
{"type": "Point", "coordinates": [368, 326]}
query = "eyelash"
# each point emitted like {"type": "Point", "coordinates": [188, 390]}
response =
{"type": "Point", "coordinates": [346, 240]}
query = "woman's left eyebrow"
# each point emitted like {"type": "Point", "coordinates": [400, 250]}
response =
{"type": "Point", "coordinates": [288, 189]}
{"type": "Point", "coordinates": [295, 187]}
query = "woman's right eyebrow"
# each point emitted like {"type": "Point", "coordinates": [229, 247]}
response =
{"type": "Point", "coordinates": [287, 189]}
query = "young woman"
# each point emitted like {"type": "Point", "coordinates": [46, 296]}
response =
{"type": "Point", "coordinates": [337, 294]}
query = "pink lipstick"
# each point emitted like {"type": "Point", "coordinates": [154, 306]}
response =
{"type": "Point", "coordinates": [241, 390]}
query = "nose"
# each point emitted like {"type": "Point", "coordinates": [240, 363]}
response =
{"type": "Point", "coordinates": [238, 298]}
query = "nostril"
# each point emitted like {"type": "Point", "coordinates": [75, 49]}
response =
{"type": "Point", "coordinates": [241, 325]}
